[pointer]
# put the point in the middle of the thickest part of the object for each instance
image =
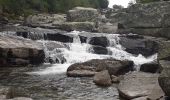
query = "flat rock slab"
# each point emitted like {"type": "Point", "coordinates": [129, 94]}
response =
{"type": "Point", "coordinates": [89, 68]}
{"type": "Point", "coordinates": [139, 84]}
{"type": "Point", "coordinates": [17, 51]}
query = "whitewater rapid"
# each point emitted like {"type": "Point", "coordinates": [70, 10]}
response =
{"type": "Point", "coordinates": [80, 52]}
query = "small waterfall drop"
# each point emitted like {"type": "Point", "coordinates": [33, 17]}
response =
{"type": "Point", "coordinates": [78, 52]}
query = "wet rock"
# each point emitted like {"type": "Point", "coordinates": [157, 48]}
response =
{"type": "Point", "coordinates": [99, 50]}
{"type": "Point", "coordinates": [60, 37]}
{"type": "Point", "coordinates": [81, 14]}
{"type": "Point", "coordinates": [102, 78]}
{"type": "Point", "coordinates": [31, 33]}
{"type": "Point", "coordinates": [17, 51]}
{"type": "Point", "coordinates": [137, 45]}
{"type": "Point", "coordinates": [60, 59]}
{"type": "Point", "coordinates": [83, 39]}
{"type": "Point", "coordinates": [17, 61]}
{"type": "Point", "coordinates": [164, 78]}
{"type": "Point", "coordinates": [139, 84]}
{"type": "Point", "coordinates": [99, 41]}
{"type": "Point", "coordinates": [78, 26]}
{"type": "Point", "coordinates": [152, 67]}
{"type": "Point", "coordinates": [51, 45]}
{"type": "Point", "coordinates": [115, 67]}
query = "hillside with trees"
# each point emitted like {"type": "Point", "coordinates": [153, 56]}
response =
{"type": "Point", "coordinates": [26, 7]}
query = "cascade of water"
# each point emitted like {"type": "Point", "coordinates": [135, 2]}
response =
{"type": "Point", "coordinates": [79, 52]}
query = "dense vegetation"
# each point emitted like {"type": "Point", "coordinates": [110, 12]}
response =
{"type": "Point", "coordinates": [25, 7]}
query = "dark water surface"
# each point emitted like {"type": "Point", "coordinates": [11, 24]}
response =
{"type": "Point", "coordinates": [55, 86]}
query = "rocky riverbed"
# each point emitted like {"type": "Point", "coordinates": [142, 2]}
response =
{"type": "Point", "coordinates": [87, 54]}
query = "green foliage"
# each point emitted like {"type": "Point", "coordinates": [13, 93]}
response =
{"type": "Point", "coordinates": [26, 7]}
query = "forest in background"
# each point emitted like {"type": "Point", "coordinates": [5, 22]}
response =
{"type": "Point", "coordinates": [15, 8]}
{"type": "Point", "coordinates": [27, 7]}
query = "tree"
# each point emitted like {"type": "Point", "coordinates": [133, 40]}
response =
{"type": "Point", "coordinates": [26, 7]}
{"type": "Point", "coordinates": [103, 3]}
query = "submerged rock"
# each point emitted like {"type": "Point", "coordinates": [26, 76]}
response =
{"type": "Point", "coordinates": [115, 67]}
{"type": "Point", "coordinates": [11, 93]}
{"type": "Point", "coordinates": [139, 84]}
{"type": "Point", "coordinates": [102, 78]}
{"type": "Point", "coordinates": [17, 51]}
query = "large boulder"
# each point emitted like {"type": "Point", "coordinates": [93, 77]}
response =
{"type": "Point", "coordinates": [45, 20]}
{"type": "Point", "coordinates": [102, 78]}
{"type": "Point", "coordinates": [164, 50]}
{"type": "Point", "coordinates": [139, 45]}
{"type": "Point", "coordinates": [81, 14]}
{"type": "Point", "coordinates": [115, 67]}
{"type": "Point", "coordinates": [145, 19]}
{"type": "Point", "coordinates": [164, 78]}
{"type": "Point", "coordinates": [139, 84]}
{"type": "Point", "coordinates": [150, 15]}
{"type": "Point", "coordinates": [17, 51]}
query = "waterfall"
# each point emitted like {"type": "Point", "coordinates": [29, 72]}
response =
{"type": "Point", "coordinates": [78, 52]}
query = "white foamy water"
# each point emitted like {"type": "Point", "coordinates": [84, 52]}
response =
{"type": "Point", "coordinates": [81, 52]}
